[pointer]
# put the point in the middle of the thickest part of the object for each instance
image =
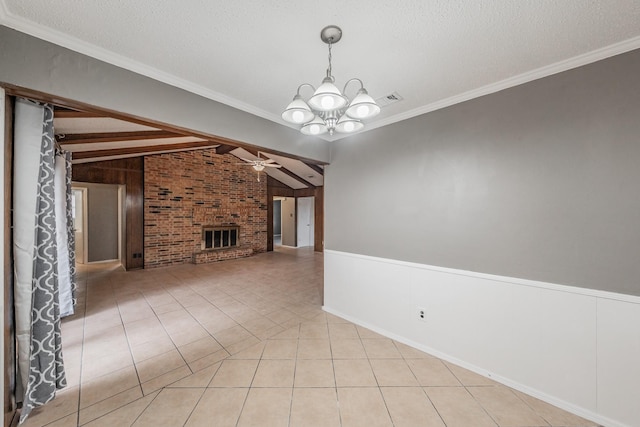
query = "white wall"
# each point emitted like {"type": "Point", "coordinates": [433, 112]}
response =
{"type": "Point", "coordinates": [573, 347]}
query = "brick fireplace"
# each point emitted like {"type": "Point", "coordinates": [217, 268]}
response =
{"type": "Point", "coordinates": [190, 192]}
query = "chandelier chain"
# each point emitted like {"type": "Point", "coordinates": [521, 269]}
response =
{"type": "Point", "coordinates": [329, 71]}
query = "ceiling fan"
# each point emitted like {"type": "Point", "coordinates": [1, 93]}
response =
{"type": "Point", "coordinates": [259, 164]}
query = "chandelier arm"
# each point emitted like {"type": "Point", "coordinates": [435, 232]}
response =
{"type": "Point", "coordinates": [344, 91]}
{"type": "Point", "coordinates": [303, 85]}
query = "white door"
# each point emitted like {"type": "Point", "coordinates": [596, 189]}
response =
{"type": "Point", "coordinates": [305, 221]}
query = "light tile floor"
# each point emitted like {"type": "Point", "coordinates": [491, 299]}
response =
{"type": "Point", "coordinates": [245, 343]}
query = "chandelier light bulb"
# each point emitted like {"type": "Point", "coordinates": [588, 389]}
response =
{"type": "Point", "coordinates": [297, 116]}
{"type": "Point", "coordinates": [347, 124]}
{"type": "Point", "coordinates": [314, 127]}
{"type": "Point", "coordinates": [361, 111]}
{"type": "Point", "coordinates": [327, 102]}
{"type": "Point", "coordinates": [348, 127]}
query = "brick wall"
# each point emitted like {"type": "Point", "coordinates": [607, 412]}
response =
{"type": "Point", "coordinates": [187, 190]}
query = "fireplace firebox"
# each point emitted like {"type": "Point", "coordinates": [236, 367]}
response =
{"type": "Point", "coordinates": [220, 237]}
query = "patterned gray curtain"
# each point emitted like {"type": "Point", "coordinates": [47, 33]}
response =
{"type": "Point", "coordinates": [71, 234]}
{"type": "Point", "coordinates": [65, 234]}
{"type": "Point", "coordinates": [44, 366]}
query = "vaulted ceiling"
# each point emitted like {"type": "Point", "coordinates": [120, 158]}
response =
{"type": "Point", "coordinates": [92, 137]}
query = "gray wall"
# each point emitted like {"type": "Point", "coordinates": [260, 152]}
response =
{"type": "Point", "coordinates": [288, 206]}
{"type": "Point", "coordinates": [540, 181]}
{"type": "Point", "coordinates": [35, 64]}
{"type": "Point", "coordinates": [277, 217]}
{"type": "Point", "coordinates": [102, 221]}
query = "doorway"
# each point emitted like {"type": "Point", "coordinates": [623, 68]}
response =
{"type": "Point", "coordinates": [99, 222]}
{"type": "Point", "coordinates": [79, 212]}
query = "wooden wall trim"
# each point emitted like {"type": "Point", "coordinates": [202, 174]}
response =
{"type": "Point", "coordinates": [305, 192]}
{"type": "Point", "coordinates": [269, 219]}
{"type": "Point", "coordinates": [9, 325]}
{"type": "Point", "coordinates": [318, 238]}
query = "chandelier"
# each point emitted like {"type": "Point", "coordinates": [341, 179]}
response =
{"type": "Point", "coordinates": [329, 110]}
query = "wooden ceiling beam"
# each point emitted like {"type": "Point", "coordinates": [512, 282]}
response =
{"type": "Point", "coordinates": [296, 177]}
{"type": "Point", "coordinates": [316, 168]}
{"type": "Point", "coordinates": [81, 155]}
{"type": "Point", "coordinates": [224, 149]}
{"type": "Point", "coordinates": [91, 138]}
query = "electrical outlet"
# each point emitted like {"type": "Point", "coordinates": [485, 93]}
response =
{"type": "Point", "coordinates": [422, 314]}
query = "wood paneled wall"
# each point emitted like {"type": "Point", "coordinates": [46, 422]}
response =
{"type": "Point", "coordinates": [128, 172]}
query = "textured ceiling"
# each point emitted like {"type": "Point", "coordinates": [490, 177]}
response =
{"type": "Point", "coordinates": [253, 54]}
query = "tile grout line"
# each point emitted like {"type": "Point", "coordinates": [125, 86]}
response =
{"type": "Point", "coordinates": [335, 379]}
{"type": "Point", "coordinates": [84, 322]}
{"type": "Point", "coordinates": [376, 377]}
{"type": "Point", "coordinates": [204, 390]}
{"type": "Point", "coordinates": [126, 335]}
{"type": "Point", "coordinates": [422, 388]}
{"type": "Point", "coordinates": [244, 402]}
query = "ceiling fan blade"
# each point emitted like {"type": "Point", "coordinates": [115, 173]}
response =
{"type": "Point", "coordinates": [269, 161]}
{"type": "Point", "coordinates": [243, 164]}
{"type": "Point", "coordinates": [247, 160]}
{"type": "Point", "coordinates": [269, 165]}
